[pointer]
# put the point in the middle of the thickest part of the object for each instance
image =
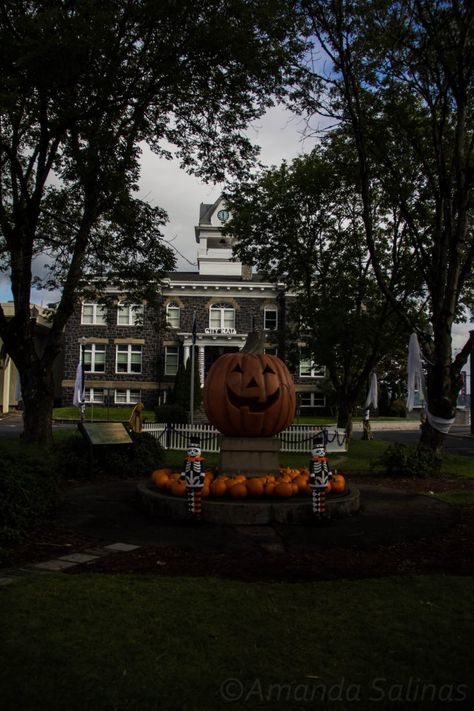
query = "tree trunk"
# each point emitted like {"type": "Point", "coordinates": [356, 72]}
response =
{"type": "Point", "coordinates": [434, 439]}
{"type": "Point", "coordinates": [344, 416]}
{"type": "Point", "coordinates": [38, 400]}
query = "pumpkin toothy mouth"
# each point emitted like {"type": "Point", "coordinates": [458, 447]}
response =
{"type": "Point", "coordinates": [252, 403]}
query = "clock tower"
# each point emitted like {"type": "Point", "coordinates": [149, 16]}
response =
{"type": "Point", "coordinates": [214, 249]}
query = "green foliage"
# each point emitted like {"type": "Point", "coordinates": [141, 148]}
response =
{"type": "Point", "coordinates": [73, 458]}
{"type": "Point", "coordinates": [398, 408]}
{"type": "Point", "coordinates": [408, 116]}
{"type": "Point", "coordinates": [180, 395]}
{"type": "Point", "coordinates": [84, 87]}
{"type": "Point", "coordinates": [197, 384]}
{"type": "Point", "coordinates": [410, 461]}
{"type": "Point", "coordinates": [171, 413]}
{"type": "Point", "coordinates": [301, 223]}
{"type": "Point", "coordinates": [27, 490]}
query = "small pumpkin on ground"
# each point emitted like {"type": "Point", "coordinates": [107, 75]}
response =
{"type": "Point", "coordinates": [338, 484]}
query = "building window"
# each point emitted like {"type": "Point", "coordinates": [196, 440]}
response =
{"type": "Point", "coordinates": [171, 360]}
{"type": "Point", "coordinates": [270, 318]}
{"type": "Point", "coordinates": [221, 316]}
{"type": "Point", "coordinates": [312, 400]}
{"type": "Point", "coordinates": [309, 369]}
{"type": "Point", "coordinates": [128, 359]}
{"type": "Point", "coordinates": [93, 315]}
{"type": "Point", "coordinates": [129, 315]}
{"type": "Point", "coordinates": [173, 315]}
{"type": "Point", "coordinates": [127, 397]}
{"type": "Point", "coordinates": [95, 396]}
{"type": "Point", "coordinates": [94, 358]}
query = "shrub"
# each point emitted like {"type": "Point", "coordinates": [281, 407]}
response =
{"type": "Point", "coordinates": [398, 408]}
{"type": "Point", "coordinates": [27, 490]}
{"type": "Point", "coordinates": [412, 461]}
{"type": "Point", "coordinates": [74, 461]}
{"type": "Point", "coordinates": [171, 413]}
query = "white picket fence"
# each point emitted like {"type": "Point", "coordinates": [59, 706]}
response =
{"type": "Point", "coordinates": [296, 438]}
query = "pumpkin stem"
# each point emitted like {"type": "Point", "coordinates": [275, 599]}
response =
{"type": "Point", "coordinates": [255, 343]}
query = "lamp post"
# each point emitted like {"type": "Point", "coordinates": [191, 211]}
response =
{"type": "Point", "coordinates": [471, 369]}
{"type": "Point", "coordinates": [82, 404]}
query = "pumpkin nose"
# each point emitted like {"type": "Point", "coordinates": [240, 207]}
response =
{"type": "Point", "coordinates": [252, 383]}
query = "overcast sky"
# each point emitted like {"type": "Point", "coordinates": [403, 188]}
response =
{"type": "Point", "coordinates": [279, 134]}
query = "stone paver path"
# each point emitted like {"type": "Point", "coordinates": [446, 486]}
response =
{"type": "Point", "coordinates": [65, 562]}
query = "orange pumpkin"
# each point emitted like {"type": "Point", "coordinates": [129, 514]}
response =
{"type": "Point", "coordinates": [300, 482]}
{"type": "Point", "coordinates": [238, 491]}
{"type": "Point", "coordinates": [255, 487]}
{"type": "Point", "coordinates": [338, 483]}
{"type": "Point", "coordinates": [283, 489]}
{"type": "Point", "coordinates": [249, 395]}
{"type": "Point", "coordinates": [178, 488]}
{"type": "Point", "coordinates": [270, 488]}
{"type": "Point", "coordinates": [160, 478]}
{"type": "Point", "coordinates": [218, 488]}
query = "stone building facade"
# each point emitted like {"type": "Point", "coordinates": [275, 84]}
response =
{"type": "Point", "coordinates": [130, 359]}
{"type": "Point", "coordinates": [120, 346]}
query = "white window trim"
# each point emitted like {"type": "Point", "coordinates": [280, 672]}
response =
{"type": "Point", "coordinates": [175, 307]}
{"type": "Point", "coordinates": [272, 309]}
{"type": "Point", "coordinates": [313, 397]}
{"type": "Point", "coordinates": [315, 371]}
{"type": "Point", "coordinates": [96, 308]}
{"type": "Point", "coordinates": [134, 312]}
{"type": "Point", "coordinates": [120, 348]}
{"type": "Point", "coordinates": [167, 352]}
{"type": "Point", "coordinates": [92, 400]}
{"type": "Point", "coordinates": [128, 400]}
{"type": "Point", "coordinates": [216, 308]}
{"type": "Point", "coordinates": [92, 348]}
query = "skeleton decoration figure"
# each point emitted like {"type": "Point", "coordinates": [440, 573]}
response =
{"type": "Point", "coordinates": [194, 477]}
{"type": "Point", "coordinates": [319, 475]}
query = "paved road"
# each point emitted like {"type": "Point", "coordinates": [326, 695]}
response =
{"type": "Point", "coordinates": [459, 441]}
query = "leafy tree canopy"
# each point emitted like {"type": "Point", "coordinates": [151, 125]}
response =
{"type": "Point", "coordinates": [302, 223]}
{"type": "Point", "coordinates": [83, 84]}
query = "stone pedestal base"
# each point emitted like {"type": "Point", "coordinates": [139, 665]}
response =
{"type": "Point", "coordinates": [252, 456]}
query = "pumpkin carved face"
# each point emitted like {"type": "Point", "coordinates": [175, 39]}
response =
{"type": "Point", "coordinates": [249, 395]}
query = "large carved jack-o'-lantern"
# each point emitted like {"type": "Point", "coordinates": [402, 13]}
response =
{"type": "Point", "coordinates": [249, 395]}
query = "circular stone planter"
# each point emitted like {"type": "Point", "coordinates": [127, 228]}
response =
{"type": "Point", "coordinates": [247, 512]}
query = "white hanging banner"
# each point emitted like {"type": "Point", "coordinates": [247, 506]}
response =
{"type": "Point", "coordinates": [416, 379]}
{"type": "Point", "coordinates": [372, 396]}
{"type": "Point", "coordinates": [79, 390]}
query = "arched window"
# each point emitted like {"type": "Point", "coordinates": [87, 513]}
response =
{"type": "Point", "coordinates": [221, 316]}
{"type": "Point", "coordinates": [173, 313]}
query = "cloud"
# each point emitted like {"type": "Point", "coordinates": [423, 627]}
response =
{"type": "Point", "coordinates": [280, 136]}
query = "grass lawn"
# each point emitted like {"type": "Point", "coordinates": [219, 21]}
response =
{"type": "Point", "coordinates": [127, 642]}
{"type": "Point", "coordinates": [98, 412]}
{"type": "Point", "coordinates": [120, 414]}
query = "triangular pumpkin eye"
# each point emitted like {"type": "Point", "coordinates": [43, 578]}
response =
{"type": "Point", "coordinates": [267, 369]}
{"type": "Point", "coordinates": [237, 369]}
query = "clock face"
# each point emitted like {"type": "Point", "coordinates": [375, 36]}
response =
{"type": "Point", "coordinates": [223, 215]}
